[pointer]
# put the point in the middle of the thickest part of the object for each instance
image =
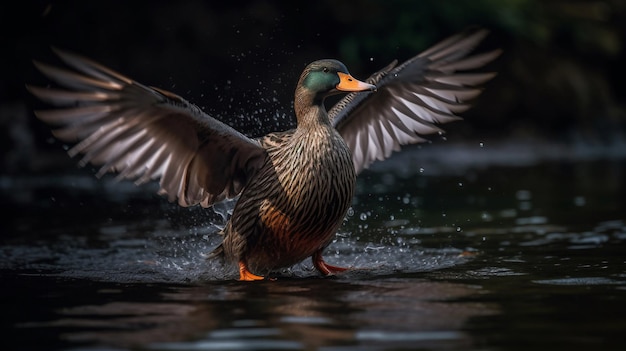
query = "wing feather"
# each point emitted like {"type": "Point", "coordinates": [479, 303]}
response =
{"type": "Point", "coordinates": [412, 99]}
{"type": "Point", "coordinates": [145, 133]}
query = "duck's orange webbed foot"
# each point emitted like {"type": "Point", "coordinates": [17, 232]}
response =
{"type": "Point", "coordinates": [325, 268]}
{"type": "Point", "coordinates": [246, 275]}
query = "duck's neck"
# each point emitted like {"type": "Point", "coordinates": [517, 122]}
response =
{"type": "Point", "coordinates": [310, 111]}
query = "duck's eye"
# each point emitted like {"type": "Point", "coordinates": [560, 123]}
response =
{"type": "Point", "coordinates": [325, 69]}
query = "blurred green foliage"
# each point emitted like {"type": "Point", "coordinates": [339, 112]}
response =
{"type": "Point", "coordinates": [589, 27]}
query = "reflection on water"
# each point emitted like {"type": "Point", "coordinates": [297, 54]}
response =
{"type": "Point", "coordinates": [294, 314]}
{"type": "Point", "coordinates": [494, 257]}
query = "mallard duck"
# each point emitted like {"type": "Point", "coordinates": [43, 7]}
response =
{"type": "Point", "coordinates": [294, 187]}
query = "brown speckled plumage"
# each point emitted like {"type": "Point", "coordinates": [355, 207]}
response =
{"type": "Point", "coordinates": [301, 194]}
{"type": "Point", "coordinates": [294, 186]}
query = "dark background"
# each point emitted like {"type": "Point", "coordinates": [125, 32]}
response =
{"type": "Point", "coordinates": [561, 76]}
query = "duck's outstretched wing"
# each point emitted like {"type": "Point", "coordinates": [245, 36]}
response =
{"type": "Point", "coordinates": [429, 89]}
{"type": "Point", "coordinates": [146, 133]}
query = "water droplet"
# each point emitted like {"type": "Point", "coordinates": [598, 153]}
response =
{"type": "Point", "coordinates": [363, 216]}
{"type": "Point", "coordinates": [481, 144]}
{"type": "Point", "coordinates": [523, 195]}
{"type": "Point", "coordinates": [460, 184]}
{"type": "Point", "coordinates": [458, 229]}
{"type": "Point", "coordinates": [580, 201]}
{"type": "Point", "coordinates": [421, 169]}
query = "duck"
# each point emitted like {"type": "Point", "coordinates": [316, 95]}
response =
{"type": "Point", "coordinates": [293, 188]}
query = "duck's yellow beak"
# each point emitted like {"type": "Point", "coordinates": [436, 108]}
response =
{"type": "Point", "coordinates": [349, 83]}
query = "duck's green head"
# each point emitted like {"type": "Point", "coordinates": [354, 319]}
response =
{"type": "Point", "coordinates": [327, 77]}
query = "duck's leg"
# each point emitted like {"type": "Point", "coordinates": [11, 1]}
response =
{"type": "Point", "coordinates": [245, 274]}
{"type": "Point", "coordinates": [324, 267]}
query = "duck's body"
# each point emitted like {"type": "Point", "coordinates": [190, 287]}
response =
{"type": "Point", "coordinates": [299, 200]}
{"type": "Point", "coordinates": [300, 195]}
{"type": "Point", "coordinates": [294, 187]}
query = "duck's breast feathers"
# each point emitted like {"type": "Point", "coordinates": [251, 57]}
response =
{"type": "Point", "coordinates": [412, 98]}
{"type": "Point", "coordinates": [146, 133]}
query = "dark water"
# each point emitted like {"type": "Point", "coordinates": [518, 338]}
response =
{"type": "Point", "coordinates": [456, 248]}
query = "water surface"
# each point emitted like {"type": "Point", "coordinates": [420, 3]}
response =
{"type": "Point", "coordinates": [451, 250]}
